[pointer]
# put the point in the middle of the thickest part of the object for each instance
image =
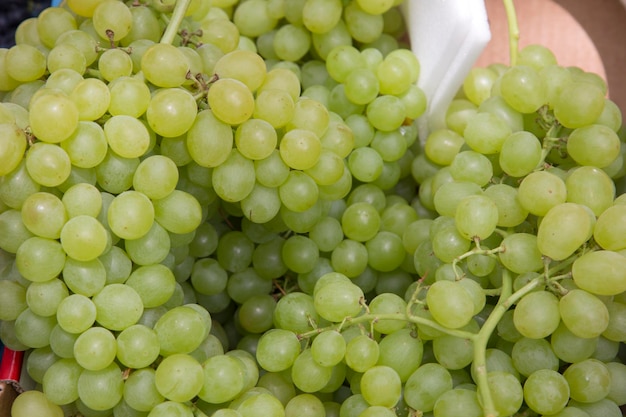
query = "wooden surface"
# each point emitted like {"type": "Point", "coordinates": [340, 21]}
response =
{"type": "Point", "coordinates": [590, 34]}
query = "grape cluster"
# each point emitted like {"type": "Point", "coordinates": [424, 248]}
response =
{"type": "Point", "coordinates": [224, 209]}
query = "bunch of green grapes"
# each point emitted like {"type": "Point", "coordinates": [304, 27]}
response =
{"type": "Point", "coordinates": [224, 209]}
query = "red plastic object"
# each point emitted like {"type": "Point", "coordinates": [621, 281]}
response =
{"type": "Point", "coordinates": [10, 370]}
{"type": "Point", "coordinates": [11, 365]}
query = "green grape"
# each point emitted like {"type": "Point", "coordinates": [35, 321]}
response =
{"type": "Point", "coordinates": [604, 407]}
{"type": "Point", "coordinates": [156, 177]}
{"type": "Point", "coordinates": [305, 405]}
{"type": "Point", "coordinates": [390, 145]}
{"type": "Point", "coordinates": [520, 253]}
{"type": "Point", "coordinates": [328, 169]}
{"type": "Point", "coordinates": [539, 191]}
{"type": "Point", "coordinates": [82, 199]}
{"type": "Point", "coordinates": [360, 221]}
{"type": "Point", "coordinates": [506, 392]}
{"type": "Point", "coordinates": [137, 346]}
{"type": "Point", "coordinates": [60, 382]}
{"type": "Point", "coordinates": [615, 329]}
{"type": "Point", "coordinates": [92, 97]}
{"type": "Point", "coordinates": [599, 272]}
{"type": "Point", "coordinates": [275, 106]}
{"type": "Point", "coordinates": [442, 145]}
{"type": "Point", "coordinates": [570, 348]}
{"type": "Point", "coordinates": [33, 403]}
{"type": "Point", "coordinates": [458, 401]}
{"type": "Point", "coordinates": [365, 164]}
{"type": "Point", "coordinates": [342, 60]}
{"type": "Point", "coordinates": [14, 299]}
{"type": "Point", "coordinates": [33, 330]}
{"type": "Point", "coordinates": [385, 251]}
{"type": "Point", "coordinates": [171, 409]}
{"type": "Point", "coordinates": [255, 315]}
{"type": "Point", "coordinates": [458, 114]}
{"type": "Point", "coordinates": [520, 154]}
{"type": "Point", "coordinates": [536, 56]}
{"type": "Point", "coordinates": [448, 196]}
{"type": "Point", "coordinates": [546, 391]}
{"type": "Point", "coordinates": [155, 283]}
{"type": "Point", "coordinates": [557, 237]}
{"type": "Point", "coordinates": [486, 132]}
{"type": "Point", "coordinates": [388, 303]}
{"type": "Point", "coordinates": [209, 150]}
{"type": "Point", "coordinates": [178, 107]}
{"type": "Point", "coordinates": [13, 142]}
{"type": "Point", "coordinates": [476, 216]}
{"type": "Point", "coordinates": [591, 187]}
{"type": "Point", "coordinates": [48, 164]}
{"type": "Point", "coordinates": [530, 355]}
{"type": "Point", "coordinates": [43, 214]}
{"type": "Point", "coordinates": [537, 314]}
{"type": "Point", "coordinates": [381, 386]}
{"type": "Point", "coordinates": [386, 112]}
{"type": "Point", "coordinates": [450, 304]}
{"type": "Point", "coordinates": [291, 42]}
{"type": "Point", "coordinates": [25, 63]}
{"type": "Point", "coordinates": [231, 101]}
{"type": "Point", "coordinates": [307, 375]}
{"type": "Point", "coordinates": [101, 390]}
{"type": "Point", "coordinates": [589, 380]}
{"type": "Point", "coordinates": [180, 330]}
{"type": "Point", "coordinates": [277, 350]}
{"type": "Point", "coordinates": [425, 385]}
{"type": "Point", "coordinates": [87, 146]}
{"type": "Point", "coordinates": [337, 299]}
{"type": "Point", "coordinates": [296, 312]}
{"type": "Point", "coordinates": [179, 377]}
{"type": "Point", "coordinates": [179, 212]}
{"type": "Point", "coordinates": [164, 65]}
{"type": "Point", "coordinates": [299, 192]}
{"type": "Point", "coordinates": [523, 89]}
{"type": "Point", "coordinates": [140, 391]}
{"type": "Point", "coordinates": [76, 313]}
{"type": "Point", "coordinates": [256, 139]}
{"type": "Point", "coordinates": [362, 353]}
{"type": "Point", "coordinates": [53, 22]}
{"type": "Point", "coordinates": [453, 352]}
{"type": "Point", "coordinates": [583, 313]}
{"type": "Point", "coordinates": [578, 104]}
{"type": "Point", "coordinates": [477, 84]}
{"type": "Point", "coordinates": [131, 214]}
{"type": "Point", "coordinates": [95, 349]}
{"type": "Point", "coordinates": [129, 96]}
{"type": "Point", "coordinates": [363, 26]}
{"type": "Point", "coordinates": [361, 86]}
{"type": "Point", "coordinates": [471, 166]}
{"type": "Point", "coordinates": [234, 251]}
{"type": "Point", "coordinates": [595, 145]}
{"type": "Point", "coordinates": [448, 243]}
{"type": "Point", "coordinates": [300, 254]}
{"type": "Point", "coordinates": [115, 63]}
{"type": "Point", "coordinates": [117, 306]}
{"type": "Point", "coordinates": [84, 277]}
{"type": "Point", "coordinates": [39, 259]}
{"type": "Point", "coordinates": [112, 20]}
{"type": "Point", "coordinates": [84, 238]}
{"type": "Point", "coordinates": [328, 348]}
{"type": "Point", "coordinates": [499, 107]}
{"type": "Point", "coordinates": [300, 149]}
{"type": "Point", "coordinates": [66, 56]}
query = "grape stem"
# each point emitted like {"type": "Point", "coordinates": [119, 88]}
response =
{"type": "Point", "coordinates": [511, 18]}
{"type": "Point", "coordinates": [177, 17]}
